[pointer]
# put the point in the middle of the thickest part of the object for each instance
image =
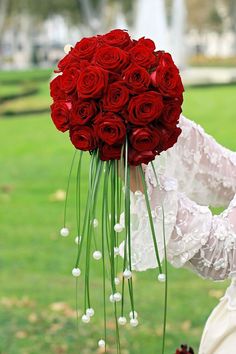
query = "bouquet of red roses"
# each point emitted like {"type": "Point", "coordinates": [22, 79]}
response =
{"type": "Point", "coordinates": [121, 100]}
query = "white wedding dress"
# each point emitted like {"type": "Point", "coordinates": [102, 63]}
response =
{"type": "Point", "coordinates": [195, 173]}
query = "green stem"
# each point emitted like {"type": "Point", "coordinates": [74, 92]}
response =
{"type": "Point", "coordinates": [104, 231]}
{"type": "Point", "coordinates": [95, 188]}
{"type": "Point", "coordinates": [150, 218]}
{"type": "Point", "coordinates": [127, 224]}
{"type": "Point", "coordinates": [68, 186]}
{"type": "Point", "coordinates": [78, 195]}
{"type": "Point", "coordinates": [166, 265]}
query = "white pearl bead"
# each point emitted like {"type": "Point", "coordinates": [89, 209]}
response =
{"type": "Point", "coordinates": [101, 343]}
{"type": "Point", "coordinates": [118, 228]}
{"type": "Point", "coordinates": [111, 298]}
{"type": "Point", "coordinates": [76, 272]}
{"type": "Point", "coordinates": [138, 193]}
{"type": "Point", "coordinates": [116, 251]}
{"type": "Point", "coordinates": [95, 223]}
{"type": "Point", "coordinates": [133, 314]}
{"type": "Point", "coordinates": [67, 48]}
{"type": "Point", "coordinates": [90, 312]}
{"type": "Point", "coordinates": [78, 239]}
{"type": "Point", "coordinates": [97, 255]}
{"type": "Point", "coordinates": [122, 321]}
{"type": "Point", "coordinates": [117, 281]}
{"type": "Point", "coordinates": [162, 277]}
{"type": "Point", "coordinates": [127, 274]}
{"type": "Point", "coordinates": [85, 319]}
{"type": "Point", "coordinates": [117, 297]}
{"type": "Point", "coordinates": [64, 232]}
{"type": "Point", "coordinates": [134, 322]}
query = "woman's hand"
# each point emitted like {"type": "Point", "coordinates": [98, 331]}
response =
{"type": "Point", "coordinates": [135, 176]}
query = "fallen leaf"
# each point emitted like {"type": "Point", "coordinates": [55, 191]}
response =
{"type": "Point", "coordinates": [32, 318]}
{"type": "Point", "coordinates": [186, 325]}
{"type": "Point", "coordinates": [216, 293]}
{"type": "Point", "coordinates": [58, 196]}
{"type": "Point", "coordinates": [21, 334]}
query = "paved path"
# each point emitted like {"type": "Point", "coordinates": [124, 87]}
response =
{"type": "Point", "coordinates": [204, 76]}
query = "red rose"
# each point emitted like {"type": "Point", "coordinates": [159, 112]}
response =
{"type": "Point", "coordinates": [143, 56]}
{"type": "Point", "coordinates": [136, 158]}
{"type": "Point", "coordinates": [171, 113]}
{"type": "Point", "coordinates": [111, 58]}
{"type": "Point", "coordinates": [147, 43]}
{"type": "Point", "coordinates": [117, 38]}
{"type": "Point", "coordinates": [92, 82]}
{"type": "Point", "coordinates": [56, 91]}
{"type": "Point", "coordinates": [116, 97]}
{"type": "Point", "coordinates": [60, 113]}
{"type": "Point", "coordinates": [83, 112]}
{"type": "Point", "coordinates": [184, 350]}
{"type": "Point", "coordinates": [64, 62]}
{"type": "Point", "coordinates": [137, 79]}
{"type": "Point", "coordinates": [144, 139]}
{"type": "Point", "coordinates": [83, 138]}
{"type": "Point", "coordinates": [85, 49]}
{"type": "Point", "coordinates": [109, 152]}
{"type": "Point", "coordinates": [69, 79]}
{"type": "Point", "coordinates": [145, 107]}
{"type": "Point", "coordinates": [164, 59]}
{"type": "Point", "coordinates": [167, 80]}
{"type": "Point", "coordinates": [109, 127]}
{"type": "Point", "coordinates": [168, 137]}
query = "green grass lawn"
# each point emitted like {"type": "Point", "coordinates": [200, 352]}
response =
{"type": "Point", "coordinates": [37, 292]}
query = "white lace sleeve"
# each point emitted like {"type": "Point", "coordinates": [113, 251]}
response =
{"type": "Point", "coordinates": [216, 259]}
{"type": "Point", "coordinates": [195, 238]}
{"type": "Point", "coordinates": [143, 252]}
{"type": "Point", "coordinates": [206, 171]}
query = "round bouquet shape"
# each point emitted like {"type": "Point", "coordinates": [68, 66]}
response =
{"type": "Point", "coordinates": [120, 99]}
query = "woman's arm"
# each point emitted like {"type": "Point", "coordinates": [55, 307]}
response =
{"type": "Point", "coordinates": [195, 238]}
{"type": "Point", "coordinates": [205, 170]}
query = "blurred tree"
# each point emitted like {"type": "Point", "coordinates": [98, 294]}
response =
{"type": "Point", "coordinates": [4, 7]}
{"type": "Point", "coordinates": [231, 7]}
{"type": "Point", "coordinates": [203, 15]}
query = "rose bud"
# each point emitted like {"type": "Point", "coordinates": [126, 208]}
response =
{"type": "Point", "coordinates": [143, 56]}
{"type": "Point", "coordinates": [83, 112]}
{"type": "Point", "coordinates": [109, 152]}
{"type": "Point", "coordinates": [83, 138]}
{"type": "Point", "coordinates": [111, 58]}
{"type": "Point", "coordinates": [56, 91]}
{"type": "Point", "coordinates": [60, 113]}
{"type": "Point", "coordinates": [85, 49]}
{"type": "Point", "coordinates": [117, 38]}
{"type": "Point", "coordinates": [92, 82]}
{"type": "Point", "coordinates": [145, 107]}
{"type": "Point", "coordinates": [137, 79]}
{"type": "Point", "coordinates": [144, 139]}
{"type": "Point", "coordinates": [136, 158]}
{"type": "Point", "coordinates": [116, 97]}
{"type": "Point", "coordinates": [110, 128]}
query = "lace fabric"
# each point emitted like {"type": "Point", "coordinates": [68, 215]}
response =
{"type": "Point", "coordinates": [195, 173]}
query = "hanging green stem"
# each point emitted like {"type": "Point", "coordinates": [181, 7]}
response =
{"type": "Point", "coordinates": [68, 186]}
{"type": "Point", "coordinates": [112, 242]}
{"type": "Point", "coordinates": [78, 195]}
{"type": "Point", "coordinates": [127, 225]}
{"type": "Point", "coordinates": [87, 208]}
{"type": "Point", "coordinates": [95, 188]}
{"type": "Point", "coordinates": [104, 231]}
{"type": "Point", "coordinates": [150, 218]}
{"type": "Point", "coordinates": [166, 265]}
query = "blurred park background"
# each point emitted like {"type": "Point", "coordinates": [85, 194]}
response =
{"type": "Point", "coordinates": [37, 297]}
